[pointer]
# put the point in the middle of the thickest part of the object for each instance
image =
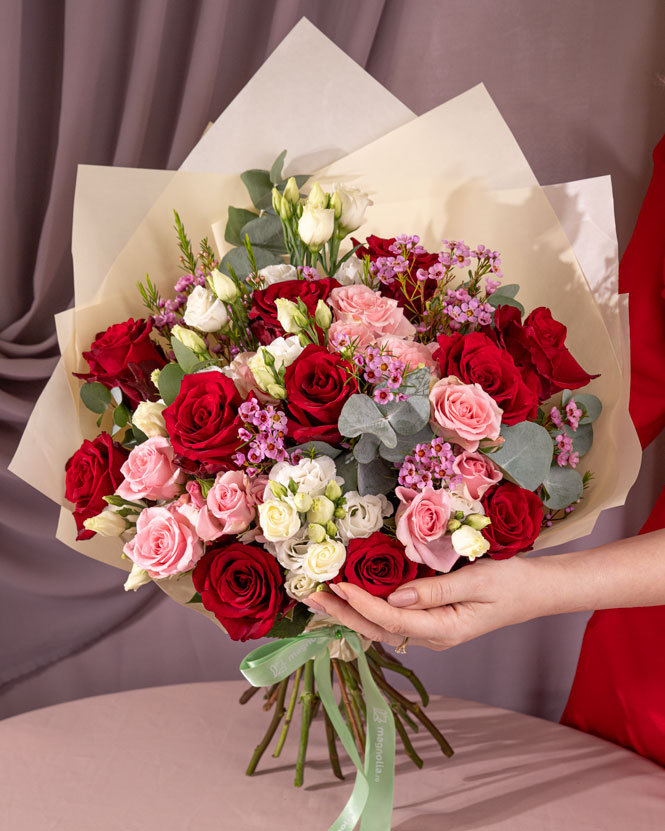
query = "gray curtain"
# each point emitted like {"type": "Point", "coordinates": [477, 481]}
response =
{"type": "Point", "coordinates": [133, 83]}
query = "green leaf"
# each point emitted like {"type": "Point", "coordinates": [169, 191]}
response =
{"type": "Point", "coordinates": [265, 231]}
{"type": "Point", "coordinates": [360, 414]}
{"type": "Point", "coordinates": [238, 218]}
{"type": "Point", "coordinates": [416, 382]}
{"type": "Point", "coordinates": [503, 300]}
{"type": "Point", "coordinates": [170, 379]}
{"type": "Point", "coordinates": [292, 623]}
{"type": "Point", "coordinates": [407, 417]}
{"type": "Point", "coordinates": [563, 486]}
{"type": "Point", "coordinates": [347, 468]}
{"type": "Point", "coordinates": [376, 477]}
{"type": "Point", "coordinates": [365, 449]}
{"type": "Point", "coordinates": [277, 167]}
{"type": "Point", "coordinates": [139, 435]}
{"type": "Point", "coordinates": [196, 599]}
{"type": "Point", "coordinates": [185, 356]}
{"type": "Point", "coordinates": [405, 445]}
{"type": "Point", "coordinates": [258, 185]}
{"type": "Point", "coordinates": [238, 261]}
{"type": "Point", "coordinates": [526, 454]}
{"type": "Point", "coordinates": [121, 415]}
{"type": "Point", "coordinates": [582, 437]}
{"type": "Point", "coordinates": [205, 485]}
{"type": "Point", "coordinates": [318, 448]}
{"type": "Point", "coordinates": [509, 290]}
{"type": "Point", "coordinates": [95, 396]}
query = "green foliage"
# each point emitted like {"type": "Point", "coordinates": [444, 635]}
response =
{"type": "Point", "coordinates": [95, 396]}
{"type": "Point", "coordinates": [121, 415]}
{"type": "Point", "coordinates": [186, 357]}
{"type": "Point", "coordinates": [189, 260]}
{"type": "Point", "coordinates": [195, 599]}
{"type": "Point", "coordinates": [292, 623]}
{"type": "Point", "coordinates": [526, 454]}
{"type": "Point", "coordinates": [170, 379]}
{"type": "Point", "coordinates": [376, 477]}
{"type": "Point", "coordinates": [562, 487]}
{"type": "Point", "coordinates": [590, 405]}
{"type": "Point", "coordinates": [238, 218]}
{"type": "Point", "coordinates": [317, 448]}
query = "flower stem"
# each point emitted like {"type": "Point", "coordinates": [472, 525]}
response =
{"type": "Point", "coordinates": [386, 661]}
{"type": "Point", "coordinates": [272, 697]}
{"type": "Point", "coordinates": [355, 726]}
{"type": "Point", "coordinates": [289, 713]}
{"type": "Point", "coordinates": [406, 741]}
{"type": "Point", "coordinates": [250, 692]}
{"type": "Point", "coordinates": [308, 699]}
{"type": "Point", "coordinates": [332, 747]}
{"type": "Point", "coordinates": [277, 717]}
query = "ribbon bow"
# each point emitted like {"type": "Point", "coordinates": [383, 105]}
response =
{"type": "Point", "coordinates": [371, 800]}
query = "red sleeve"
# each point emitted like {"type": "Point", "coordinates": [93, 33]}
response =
{"type": "Point", "coordinates": [642, 277]}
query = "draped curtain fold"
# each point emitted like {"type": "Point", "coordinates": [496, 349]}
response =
{"type": "Point", "coordinates": [134, 83]}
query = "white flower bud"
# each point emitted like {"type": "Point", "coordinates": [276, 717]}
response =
{"type": "Point", "coordinates": [317, 197]}
{"type": "Point", "coordinates": [189, 339]}
{"type": "Point", "coordinates": [149, 419]}
{"type": "Point", "coordinates": [302, 501]}
{"type": "Point", "coordinates": [468, 542]}
{"type": "Point", "coordinates": [353, 203]}
{"type": "Point", "coordinates": [316, 226]}
{"type": "Point", "coordinates": [323, 315]}
{"type": "Point", "coordinates": [107, 524]}
{"type": "Point", "coordinates": [223, 286]}
{"type": "Point", "coordinates": [137, 577]}
{"type": "Point", "coordinates": [322, 510]}
{"type": "Point", "coordinates": [291, 192]}
{"type": "Point", "coordinates": [316, 533]}
{"type": "Point", "coordinates": [289, 315]}
{"type": "Point", "coordinates": [204, 311]}
{"type": "Point", "coordinates": [477, 521]}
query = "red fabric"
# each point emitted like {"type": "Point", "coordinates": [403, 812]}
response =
{"type": "Point", "coordinates": [619, 688]}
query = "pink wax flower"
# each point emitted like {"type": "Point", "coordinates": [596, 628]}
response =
{"type": "Point", "coordinates": [229, 508]}
{"type": "Point", "coordinates": [150, 472]}
{"type": "Point", "coordinates": [165, 543]}
{"type": "Point", "coordinates": [464, 413]}
{"type": "Point", "coordinates": [478, 473]}
{"type": "Point", "coordinates": [422, 520]}
{"type": "Point", "coordinates": [381, 315]}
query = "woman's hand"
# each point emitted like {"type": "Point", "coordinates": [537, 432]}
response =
{"type": "Point", "coordinates": [440, 612]}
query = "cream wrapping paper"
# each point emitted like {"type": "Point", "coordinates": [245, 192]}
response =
{"type": "Point", "coordinates": [454, 154]}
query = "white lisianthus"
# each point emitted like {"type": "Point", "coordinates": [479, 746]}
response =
{"type": "Point", "coordinates": [317, 197]}
{"type": "Point", "coordinates": [189, 339]}
{"type": "Point", "coordinates": [149, 419]}
{"type": "Point", "coordinates": [137, 577]}
{"type": "Point", "coordinates": [364, 515]}
{"type": "Point", "coordinates": [204, 311]}
{"type": "Point", "coordinates": [279, 520]}
{"type": "Point", "coordinates": [323, 560]}
{"type": "Point", "coordinates": [351, 273]}
{"type": "Point", "coordinates": [290, 317]}
{"type": "Point", "coordinates": [311, 475]}
{"type": "Point", "coordinates": [107, 524]}
{"type": "Point", "coordinates": [459, 502]}
{"type": "Point", "coordinates": [223, 286]}
{"type": "Point", "coordinates": [468, 542]}
{"type": "Point", "coordinates": [263, 375]}
{"type": "Point", "coordinates": [316, 226]}
{"type": "Point", "coordinates": [353, 204]}
{"type": "Point", "coordinates": [285, 350]}
{"type": "Point", "coordinates": [278, 273]}
{"type": "Point", "coordinates": [298, 585]}
{"type": "Point", "coordinates": [290, 553]}
{"type": "Point", "coordinates": [321, 510]}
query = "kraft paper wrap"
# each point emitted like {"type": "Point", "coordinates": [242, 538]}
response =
{"type": "Point", "coordinates": [456, 172]}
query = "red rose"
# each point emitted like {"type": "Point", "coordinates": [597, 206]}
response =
{"type": "Point", "coordinates": [203, 421]}
{"type": "Point", "coordinates": [124, 356]}
{"type": "Point", "coordinates": [317, 384]}
{"type": "Point", "coordinates": [377, 564]}
{"type": "Point", "coordinates": [538, 347]}
{"type": "Point", "coordinates": [92, 473]}
{"type": "Point", "coordinates": [264, 311]}
{"type": "Point", "coordinates": [476, 359]}
{"type": "Point", "coordinates": [242, 585]}
{"type": "Point", "coordinates": [413, 308]}
{"type": "Point", "coordinates": [517, 516]}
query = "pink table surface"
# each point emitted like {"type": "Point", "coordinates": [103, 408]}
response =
{"type": "Point", "coordinates": [174, 758]}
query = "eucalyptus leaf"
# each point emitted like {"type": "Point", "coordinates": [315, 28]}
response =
{"type": "Point", "coordinates": [405, 445]}
{"type": "Point", "coordinates": [416, 382]}
{"type": "Point", "coordinates": [590, 404]}
{"type": "Point", "coordinates": [237, 260]}
{"type": "Point", "coordinates": [503, 300]}
{"type": "Point", "coordinates": [186, 357]}
{"type": "Point", "coordinates": [292, 623]}
{"type": "Point", "coordinates": [563, 485]}
{"type": "Point", "coordinates": [258, 185]}
{"type": "Point", "coordinates": [95, 396]}
{"type": "Point", "coordinates": [139, 435]}
{"type": "Point", "coordinates": [360, 414]}
{"type": "Point", "coordinates": [407, 417]}
{"type": "Point", "coordinates": [365, 449]}
{"type": "Point", "coordinates": [319, 448]}
{"type": "Point", "coordinates": [509, 290]}
{"type": "Point", "coordinates": [582, 437]}
{"type": "Point", "coordinates": [347, 468]}
{"type": "Point", "coordinates": [121, 415]}
{"type": "Point", "coordinates": [238, 218]}
{"type": "Point", "coordinates": [526, 454]}
{"type": "Point", "coordinates": [376, 477]}
{"type": "Point", "coordinates": [169, 382]}
{"type": "Point", "coordinates": [277, 167]}
{"type": "Point", "coordinates": [265, 231]}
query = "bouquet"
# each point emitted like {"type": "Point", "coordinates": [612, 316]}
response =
{"type": "Point", "coordinates": [319, 398]}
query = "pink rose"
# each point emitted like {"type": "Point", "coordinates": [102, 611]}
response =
{"type": "Point", "coordinates": [194, 490]}
{"type": "Point", "coordinates": [381, 315]}
{"type": "Point", "coordinates": [165, 542]}
{"type": "Point", "coordinates": [150, 472]}
{"type": "Point", "coordinates": [229, 508]}
{"type": "Point", "coordinates": [464, 413]}
{"type": "Point", "coordinates": [478, 472]}
{"type": "Point", "coordinates": [422, 520]}
{"type": "Point", "coordinates": [343, 332]}
{"type": "Point", "coordinates": [411, 353]}
{"type": "Point", "coordinates": [257, 488]}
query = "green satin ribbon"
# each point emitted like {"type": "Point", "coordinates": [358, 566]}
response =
{"type": "Point", "coordinates": [371, 800]}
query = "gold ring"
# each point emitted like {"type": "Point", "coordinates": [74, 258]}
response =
{"type": "Point", "coordinates": [401, 649]}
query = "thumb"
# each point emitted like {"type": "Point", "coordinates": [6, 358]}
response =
{"type": "Point", "coordinates": [430, 592]}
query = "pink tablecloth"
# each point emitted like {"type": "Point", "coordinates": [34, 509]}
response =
{"type": "Point", "coordinates": [173, 759]}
